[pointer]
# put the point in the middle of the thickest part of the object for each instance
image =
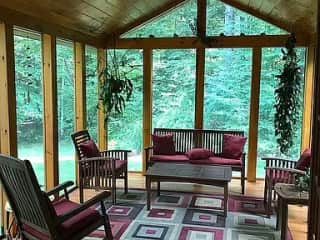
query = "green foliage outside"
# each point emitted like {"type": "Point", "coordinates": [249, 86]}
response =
{"type": "Point", "coordinates": [92, 91]}
{"type": "Point", "coordinates": [226, 99]}
{"type": "Point", "coordinates": [65, 89]}
{"type": "Point", "coordinates": [174, 82]}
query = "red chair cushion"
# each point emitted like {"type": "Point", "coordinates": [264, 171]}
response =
{"type": "Point", "coordinates": [77, 222]}
{"type": "Point", "coordinates": [72, 225]}
{"type": "Point", "coordinates": [233, 146]}
{"type": "Point", "coordinates": [218, 161]}
{"type": "Point", "coordinates": [89, 149]}
{"type": "Point", "coordinates": [279, 176]}
{"type": "Point", "coordinates": [170, 158]}
{"type": "Point", "coordinates": [304, 160]}
{"type": "Point", "coordinates": [199, 153]}
{"type": "Point", "coordinates": [34, 232]}
{"type": "Point", "coordinates": [163, 145]}
{"type": "Point", "coordinates": [119, 164]}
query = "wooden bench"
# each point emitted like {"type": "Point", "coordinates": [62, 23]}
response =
{"type": "Point", "coordinates": [187, 139]}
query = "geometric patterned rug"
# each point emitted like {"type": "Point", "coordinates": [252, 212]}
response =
{"type": "Point", "coordinates": [186, 216]}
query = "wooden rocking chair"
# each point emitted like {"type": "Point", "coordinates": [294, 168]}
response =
{"type": "Point", "coordinates": [39, 218]}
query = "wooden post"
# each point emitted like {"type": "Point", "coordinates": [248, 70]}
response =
{"type": "Point", "coordinates": [200, 65]}
{"type": "Point", "coordinates": [8, 125]}
{"type": "Point", "coordinates": [254, 114]}
{"type": "Point", "coordinates": [80, 86]}
{"type": "Point", "coordinates": [147, 101]}
{"type": "Point", "coordinates": [80, 91]}
{"type": "Point", "coordinates": [102, 129]}
{"type": "Point", "coordinates": [50, 118]}
{"type": "Point", "coordinates": [199, 97]}
{"type": "Point", "coordinates": [308, 93]}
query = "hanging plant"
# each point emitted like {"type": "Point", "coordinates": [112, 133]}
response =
{"type": "Point", "coordinates": [115, 87]}
{"type": "Point", "coordinates": [287, 97]}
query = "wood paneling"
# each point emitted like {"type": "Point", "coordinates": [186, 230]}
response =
{"type": "Point", "coordinates": [8, 125]}
{"type": "Point", "coordinates": [298, 16]}
{"type": "Point", "coordinates": [50, 118]}
{"type": "Point", "coordinates": [98, 18]}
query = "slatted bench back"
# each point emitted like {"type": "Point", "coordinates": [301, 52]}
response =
{"type": "Point", "coordinates": [186, 139]}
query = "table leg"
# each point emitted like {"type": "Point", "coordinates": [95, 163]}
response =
{"type": "Point", "coordinates": [226, 195]}
{"type": "Point", "coordinates": [148, 185]}
{"type": "Point", "coordinates": [284, 220]}
{"type": "Point", "coordinates": [158, 186]}
{"type": "Point", "coordinates": [279, 213]}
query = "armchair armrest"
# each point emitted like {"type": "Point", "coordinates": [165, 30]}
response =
{"type": "Point", "coordinates": [59, 188]}
{"type": "Point", "coordinates": [279, 162]}
{"type": "Point", "coordinates": [87, 160]}
{"type": "Point", "coordinates": [98, 198]}
{"type": "Point", "coordinates": [290, 170]}
{"type": "Point", "coordinates": [147, 151]}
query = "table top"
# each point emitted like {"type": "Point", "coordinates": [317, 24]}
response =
{"type": "Point", "coordinates": [291, 193]}
{"type": "Point", "coordinates": [190, 171]}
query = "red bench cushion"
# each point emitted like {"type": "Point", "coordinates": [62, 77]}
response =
{"type": "Point", "coordinates": [89, 149]}
{"type": "Point", "coordinates": [233, 146]}
{"type": "Point", "coordinates": [170, 158]}
{"type": "Point", "coordinates": [163, 144]}
{"type": "Point", "coordinates": [218, 161]}
{"type": "Point", "coordinates": [79, 221]}
{"type": "Point", "coordinates": [199, 153]}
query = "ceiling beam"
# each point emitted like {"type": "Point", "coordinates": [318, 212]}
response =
{"type": "Point", "coordinates": [209, 42]}
{"type": "Point", "coordinates": [254, 12]}
{"type": "Point", "coordinates": [149, 17]}
{"type": "Point", "coordinates": [40, 25]}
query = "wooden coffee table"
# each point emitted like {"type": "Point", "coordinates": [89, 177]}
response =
{"type": "Point", "coordinates": [218, 176]}
{"type": "Point", "coordinates": [287, 194]}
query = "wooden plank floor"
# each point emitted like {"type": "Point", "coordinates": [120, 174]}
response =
{"type": "Point", "coordinates": [297, 214]}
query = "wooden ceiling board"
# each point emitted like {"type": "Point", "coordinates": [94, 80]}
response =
{"type": "Point", "coordinates": [268, 6]}
{"type": "Point", "coordinates": [100, 18]}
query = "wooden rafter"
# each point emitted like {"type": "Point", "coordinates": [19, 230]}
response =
{"type": "Point", "coordinates": [213, 42]}
{"type": "Point", "coordinates": [146, 18]}
{"type": "Point", "coordinates": [41, 25]}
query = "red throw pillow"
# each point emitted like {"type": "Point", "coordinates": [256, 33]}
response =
{"type": "Point", "coordinates": [199, 153]}
{"type": "Point", "coordinates": [304, 160]}
{"type": "Point", "coordinates": [89, 149]}
{"type": "Point", "coordinates": [233, 146]}
{"type": "Point", "coordinates": [163, 145]}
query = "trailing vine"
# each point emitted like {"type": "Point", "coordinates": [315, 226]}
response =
{"type": "Point", "coordinates": [287, 97]}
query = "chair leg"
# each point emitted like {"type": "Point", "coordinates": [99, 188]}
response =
{"type": "Point", "coordinates": [106, 223]}
{"type": "Point", "coordinates": [243, 181]}
{"type": "Point", "coordinates": [81, 194]}
{"type": "Point", "coordinates": [269, 199]}
{"type": "Point", "coordinates": [265, 189]}
{"type": "Point", "coordinates": [126, 181]}
{"type": "Point", "coordinates": [114, 190]}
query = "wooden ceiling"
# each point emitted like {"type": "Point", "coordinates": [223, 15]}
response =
{"type": "Point", "coordinates": [96, 19]}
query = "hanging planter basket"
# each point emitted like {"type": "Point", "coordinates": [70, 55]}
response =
{"type": "Point", "coordinates": [288, 97]}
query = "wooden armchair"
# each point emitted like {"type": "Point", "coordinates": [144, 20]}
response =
{"type": "Point", "coordinates": [39, 218]}
{"type": "Point", "coordinates": [279, 170]}
{"type": "Point", "coordinates": [99, 169]}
